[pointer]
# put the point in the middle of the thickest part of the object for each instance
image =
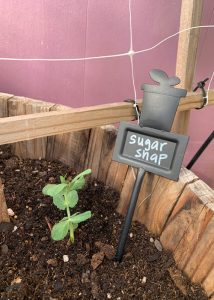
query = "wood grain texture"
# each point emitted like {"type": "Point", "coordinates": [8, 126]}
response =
{"type": "Point", "coordinates": [189, 231]}
{"type": "Point", "coordinates": [116, 175]}
{"type": "Point", "coordinates": [94, 150]}
{"type": "Point", "coordinates": [201, 260]}
{"type": "Point", "coordinates": [126, 191]}
{"type": "Point", "coordinates": [3, 206]}
{"type": "Point", "coordinates": [27, 127]}
{"type": "Point", "coordinates": [4, 104]}
{"type": "Point", "coordinates": [208, 283]}
{"type": "Point", "coordinates": [109, 138]}
{"type": "Point", "coordinates": [69, 148]}
{"type": "Point", "coordinates": [36, 148]}
{"type": "Point", "coordinates": [144, 198]}
{"type": "Point", "coordinates": [191, 13]}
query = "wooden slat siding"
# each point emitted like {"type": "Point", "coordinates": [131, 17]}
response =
{"type": "Point", "coordinates": [191, 13]}
{"type": "Point", "coordinates": [187, 209]}
{"type": "Point", "coordinates": [208, 283]}
{"type": "Point", "coordinates": [126, 191]}
{"type": "Point", "coordinates": [3, 206]}
{"type": "Point", "coordinates": [143, 203]}
{"type": "Point", "coordinates": [164, 194]}
{"type": "Point", "coordinates": [116, 175]}
{"type": "Point", "coordinates": [3, 104]}
{"type": "Point", "coordinates": [36, 148]}
{"type": "Point", "coordinates": [108, 144]}
{"type": "Point", "coordinates": [94, 150]}
{"type": "Point", "coordinates": [201, 260]}
{"type": "Point", "coordinates": [69, 148]}
{"type": "Point", "coordinates": [27, 127]}
{"type": "Point", "coordinates": [189, 230]}
{"type": "Point", "coordinates": [189, 241]}
{"type": "Point", "coordinates": [16, 107]}
{"type": "Point", "coordinates": [21, 106]}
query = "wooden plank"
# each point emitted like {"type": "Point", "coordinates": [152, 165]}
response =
{"type": "Point", "coordinates": [109, 138]}
{"type": "Point", "coordinates": [127, 191]}
{"type": "Point", "coordinates": [69, 148]}
{"type": "Point", "coordinates": [191, 12]}
{"type": "Point", "coordinates": [3, 104]}
{"type": "Point", "coordinates": [16, 107]}
{"type": "Point", "coordinates": [201, 260]}
{"type": "Point", "coordinates": [116, 175]}
{"type": "Point", "coordinates": [164, 195]}
{"type": "Point", "coordinates": [26, 127]}
{"type": "Point", "coordinates": [94, 150]}
{"type": "Point", "coordinates": [36, 148]}
{"type": "Point", "coordinates": [144, 199]}
{"type": "Point", "coordinates": [3, 206]}
{"type": "Point", "coordinates": [208, 283]}
{"type": "Point", "coordinates": [188, 231]}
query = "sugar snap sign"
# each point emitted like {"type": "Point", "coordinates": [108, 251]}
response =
{"type": "Point", "coordinates": [154, 150]}
{"type": "Point", "coordinates": [150, 146]}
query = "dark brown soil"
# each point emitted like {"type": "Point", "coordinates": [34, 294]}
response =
{"type": "Point", "coordinates": [32, 266]}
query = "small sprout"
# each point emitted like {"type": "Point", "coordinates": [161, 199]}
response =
{"type": "Point", "coordinates": [65, 196]}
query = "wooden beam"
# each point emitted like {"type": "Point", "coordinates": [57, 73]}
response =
{"type": "Point", "coordinates": [27, 127]}
{"type": "Point", "coordinates": [191, 12]}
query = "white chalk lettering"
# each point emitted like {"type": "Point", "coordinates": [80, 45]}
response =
{"type": "Point", "coordinates": [148, 144]}
{"type": "Point", "coordinates": [140, 141]}
{"type": "Point", "coordinates": [154, 158]}
{"type": "Point", "coordinates": [145, 155]}
{"type": "Point", "coordinates": [161, 157]}
{"type": "Point", "coordinates": [138, 155]}
{"type": "Point", "coordinates": [155, 145]}
{"type": "Point", "coordinates": [162, 145]}
{"type": "Point", "coordinates": [132, 139]}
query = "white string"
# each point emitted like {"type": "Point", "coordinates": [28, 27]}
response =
{"type": "Point", "coordinates": [131, 54]}
{"type": "Point", "coordinates": [208, 89]}
{"type": "Point", "coordinates": [173, 35]}
{"type": "Point", "coordinates": [106, 56]}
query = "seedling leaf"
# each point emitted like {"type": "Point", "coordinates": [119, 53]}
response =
{"type": "Point", "coordinates": [59, 201]}
{"type": "Point", "coordinates": [77, 218]}
{"type": "Point", "coordinates": [53, 189]}
{"type": "Point", "coordinates": [60, 230]}
{"type": "Point", "coordinates": [72, 198]}
{"type": "Point", "coordinates": [78, 183]}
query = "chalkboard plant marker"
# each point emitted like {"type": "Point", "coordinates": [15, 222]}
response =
{"type": "Point", "coordinates": [150, 146]}
{"type": "Point", "coordinates": [65, 197]}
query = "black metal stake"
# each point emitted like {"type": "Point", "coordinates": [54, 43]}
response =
{"type": "Point", "coordinates": [129, 215]}
{"type": "Point", "coordinates": [200, 150]}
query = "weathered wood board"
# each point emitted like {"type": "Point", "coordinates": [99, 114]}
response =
{"type": "Point", "coordinates": [69, 148]}
{"type": "Point", "coordinates": [4, 217]}
{"type": "Point", "coordinates": [22, 106]}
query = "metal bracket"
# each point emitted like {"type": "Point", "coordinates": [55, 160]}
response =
{"type": "Point", "coordinates": [201, 85]}
{"type": "Point", "coordinates": [136, 107]}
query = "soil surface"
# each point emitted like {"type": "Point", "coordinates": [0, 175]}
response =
{"type": "Point", "coordinates": [32, 265]}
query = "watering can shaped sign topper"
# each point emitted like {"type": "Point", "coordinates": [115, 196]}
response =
{"type": "Point", "coordinates": [150, 146]}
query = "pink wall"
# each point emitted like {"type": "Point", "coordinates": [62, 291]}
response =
{"type": "Point", "coordinates": [79, 28]}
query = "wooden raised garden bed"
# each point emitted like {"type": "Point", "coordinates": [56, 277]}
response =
{"type": "Point", "coordinates": [180, 213]}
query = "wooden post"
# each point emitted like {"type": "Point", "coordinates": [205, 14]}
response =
{"type": "Point", "coordinates": [191, 12]}
{"type": "Point", "coordinates": [3, 206]}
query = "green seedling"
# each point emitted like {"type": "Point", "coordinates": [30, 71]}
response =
{"type": "Point", "coordinates": [65, 197]}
